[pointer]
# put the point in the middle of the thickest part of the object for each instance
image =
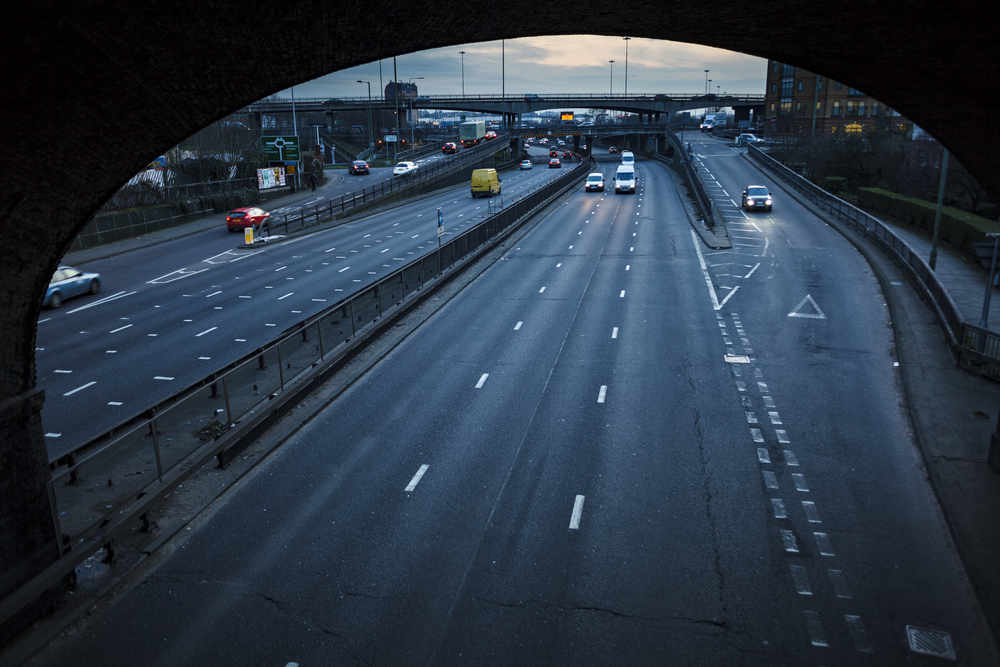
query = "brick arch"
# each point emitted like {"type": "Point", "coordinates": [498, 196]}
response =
{"type": "Point", "coordinates": [94, 90]}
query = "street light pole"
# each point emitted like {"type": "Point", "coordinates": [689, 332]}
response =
{"type": "Point", "coordinates": [611, 89]}
{"type": "Point", "coordinates": [371, 143]}
{"type": "Point", "coordinates": [463, 72]}
{"type": "Point", "coordinates": [626, 64]}
{"type": "Point", "coordinates": [410, 119]}
{"type": "Point", "coordinates": [706, 82]}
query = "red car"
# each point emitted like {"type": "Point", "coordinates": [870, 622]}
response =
{"type": "Point", "coordinates": [358, 167]}
{"type": "Point", "coordinates": [449, 147]}
{"type": "Point", "coordinates": [241, 218]}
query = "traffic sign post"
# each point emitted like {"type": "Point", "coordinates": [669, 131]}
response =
{"type": "Point", "coordinates": [280, 149]}
{"type": "Point", "coordinates": [440, 226]}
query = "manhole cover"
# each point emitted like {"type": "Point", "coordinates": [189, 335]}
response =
{"type": "Point", "coordinates": [737, 359]}
{"type": "Point", "coordinates": [930, 642]}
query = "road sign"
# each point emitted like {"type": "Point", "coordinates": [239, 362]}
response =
{"type": "Point", "coordinates": [280, 149]}
{"type": "Point", "coordinates": [440, 223]}
{"type": "Point", "coordinates": [390, 138]}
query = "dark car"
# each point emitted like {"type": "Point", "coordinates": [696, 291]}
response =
{"type": "Point", "coordinates": [358, 167]}
{"type": "Point", "coordinates": [449, 148]}
{"type": "Point", "coordinates": [567, 155]}
{"type": "Point", "coordinates": [250, 216]}
{"type": "Point", "coordinates": [612, 149]}
{"type": "Point", "coordinates": [68, 282]}
{"type": "Point", "coordinates": [553, 152]}
{"type": "Point", "coordinates": [756, 198]}
{"type": "Point", "coordinates": [554, 163]}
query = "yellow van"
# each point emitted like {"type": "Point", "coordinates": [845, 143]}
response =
{"type": "Point", "coordinates": [485, 183]}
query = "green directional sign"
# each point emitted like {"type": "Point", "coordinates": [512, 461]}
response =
{"type": "Point", "coordinates": [280, 149]}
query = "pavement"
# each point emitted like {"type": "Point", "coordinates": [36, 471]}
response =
{"type": "Point", "coordinates": [953, 411]}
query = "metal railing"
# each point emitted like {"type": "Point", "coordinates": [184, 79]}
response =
{"type": "Point", "coordinates": [352, 200]}
{"type": "Point", "coordinates": [692, 177]}
{"type": "Point", "coordinates": [975, 348]}
{"type": "Point", "coordinates": [115, 484]}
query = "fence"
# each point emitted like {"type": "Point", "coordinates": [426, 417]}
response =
{"type": "Point", "coordinates": [693, 178]}
{"type": "Point", "coordinates": [118, 481]}
{"type": "Point", "coordinates": [975, 348]}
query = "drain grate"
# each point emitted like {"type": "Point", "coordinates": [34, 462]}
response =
{"type": "Point", "coordinates": [930, 642]}
{"type": "Point", "coordinates": [737, 359]}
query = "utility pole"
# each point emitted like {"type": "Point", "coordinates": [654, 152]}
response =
{"type": "Point", "coordinates": [395, 98]}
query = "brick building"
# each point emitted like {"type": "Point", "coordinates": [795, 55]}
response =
{"type": "Point", "coordinates": [798, 101]}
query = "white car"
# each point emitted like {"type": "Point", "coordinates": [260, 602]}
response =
{"type": "Point", "coordinates": [404, 168]}
{"type": "Point", "coordinates": [595, 182]}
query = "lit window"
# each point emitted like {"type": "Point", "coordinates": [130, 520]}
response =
{"type": "Point", "coordinates": [836, 108]}
{"type": "Point", "coordinates": [772, 107]}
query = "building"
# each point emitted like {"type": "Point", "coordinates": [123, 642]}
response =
{"type": "Point", "coordinates": [797, 101]}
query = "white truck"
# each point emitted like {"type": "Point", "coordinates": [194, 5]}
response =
{"type": "Point", "coordinates": [712, 121]}
{"type": "Point", "coordinates": [472, 132]}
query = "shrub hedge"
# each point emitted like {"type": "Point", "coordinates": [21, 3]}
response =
{"type": "Point", "coordinates": [958, 228]}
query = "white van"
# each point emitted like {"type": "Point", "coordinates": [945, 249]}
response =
{"type": "Point", "coordinates": [625, 179]}
{"type": "Point", "coordinates": [628, 157]}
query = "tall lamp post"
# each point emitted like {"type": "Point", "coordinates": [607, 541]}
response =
{"type": "Point", "coordinates": [371, 143]}
{"type": "Point", "coordinates": [611, 88]}
{"type": "Point", "coordinates": [463, 72]}
{"type": "Point", "coordinates": [706, 82]}
{"type": "Point", "coordinates": [410, 119]}
{"type": "Point", "coordinates": [626, 64]}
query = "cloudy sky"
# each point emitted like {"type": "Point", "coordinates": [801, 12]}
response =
{"type": "Point", "coordinates": [560, 64]}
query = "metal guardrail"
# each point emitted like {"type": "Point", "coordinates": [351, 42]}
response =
{"type": "Point", "coordinates": [111, 487]}
{"type": "Point", "coordinates": [693, 178]}
{"type": "Point", "coordinates": [396, 184]}
{"type": "Point", "coordinates": [975, 348]}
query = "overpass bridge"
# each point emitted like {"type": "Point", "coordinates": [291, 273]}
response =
{"type": "Point", "coordinates": [650, 106]}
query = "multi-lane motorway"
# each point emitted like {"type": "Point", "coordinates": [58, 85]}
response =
{"type": "Point", "coordinates": [616, 446]}
{"type": "Point", "coordinates": [171, 314]}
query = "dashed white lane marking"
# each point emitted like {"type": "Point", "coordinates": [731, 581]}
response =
{"type": "Point", "coordinates": [518, 326]}
{"type": "Point", "coordinates": [343, 269]}
{"type": "Point", "coordinates": [558, 265]}
{"type": "Point", "coordinates": [614, 332]}
{"type": "Point", "coordinates": [152, 335]}
{"type": "Point", "coordinates": [240, 340]}
{"type": "Point", "coordinates": [115, 403]}
{"type": "Point", "coordinates": [120, 328]}
{"type": "Point", "coordinates": [161, 377]}
{"type": "Point", "coordinates": [53, 435]}
{"type": "Point", "coordinates": [205, 332]}
{"type": "Point", "coordinates": [775, 419]}
{"type": "Point", "coordinates": [762, 455]}
{"type": "Point", "coordinates": [602, 393]}
{"type": "Point", "coordinates": [574, 519]}
{"type": "Point", "coordinates": [823, 543]}
{"type": "Point", "coordinates": [416, 478]}
{"type": "Point", "coordinates": [816, 635]}
{"type": "Point", "coordinates": [280, 268]}
{"type": "Point", "coordinates": [858, 634]}
{"type": "Point", "coordinates": [770, 480]}
{"type": "Point", "coordinates": [622, 295]}
{"type": "Point", "coordinates": [213, 293]}
{"type": "Point", "coordinates": [839, 583]}
{"type": "Point", "coordinates": [482, 381]}
{"type": "Point", "coordinates": [204, 358]}
{"type": "Point", "coordinates": [110, 351]}
{"type": "Point", "coordinates": [60, 371]}
{"type": "Point", "coordinates": [382, 251]}
{"type": "Point", "coordinates": [80, 388]}
{"type": "Point", "coordinates": [541, 290]}
{"type": "Point", "coordinates": [286, 296]}
{"type": "Point", "coordinates": [811, 512]}
{"type": "Point", "coordinates": [247, 296]}
{"type": "Point", "coordinates": [628, 267]}
{"type": "Point", "coordinates": [801, 579]}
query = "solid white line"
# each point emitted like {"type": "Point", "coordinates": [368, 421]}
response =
{"type": "Point", "coordinates": [161, 281]}
{"type": "Point", "coordinates": [382, 251]}
{"type": "Point", "coordinates": [614, 332]}
{"type": "Point", "coordinates": [601, 394]}
{"type": "Point", "coordinates": [114, 403]}
{"type": "Point", "coordinates": [752, 270]}
{"type": "Point", "coordinates": [206, 331]}
{"type": "Point", "coordinates": [416, 478]}
{"type": "Point", "coordinates": [518, 326]}
{"type": "Point", "coordinates": [343, 269]}
{"type": "Point", "coordinates": [574, 520]}
{"type": "Point", "coordinates": [59, 371]}
{"type": "Point", "coordinates": [81, 387]}
{"type": "Point", "coordinates": [286, 296]}
{"type": "Point", "coordinates": [704, 269]}
{"type": "Point", "coordinates": [767, 242]}
{"type": "Point", "coordinates": [723, 302]}
{"type": "Point", "coordinates": [213, 294]}
{"type": "Point", "coordinates": [482, 380]}
{"type": "Point", "coordinates": [120, 328]}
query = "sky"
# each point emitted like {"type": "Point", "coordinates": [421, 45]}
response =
{"type": "Point", "coordinates": [553, 65]}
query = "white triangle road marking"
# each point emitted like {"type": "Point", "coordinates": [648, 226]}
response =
{"type": "Point", "coordinates": [818, 315]}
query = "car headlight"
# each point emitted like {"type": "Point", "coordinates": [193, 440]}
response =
{"type": "Point", "coordinates": [750, 202]}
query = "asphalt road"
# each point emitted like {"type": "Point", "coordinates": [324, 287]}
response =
{"type": "Point", "coordinates": [614, 447]}
{"type": "Point", "coordinates": [170, 314]}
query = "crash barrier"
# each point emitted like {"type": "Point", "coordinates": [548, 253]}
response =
{"type": "Point", "coordinates": [975, 348]}
{"type": "Point", "coordinates": [693, 178]}
{"type": "Point", "coordinates": [114, 481]}
{"type": "Point", "coordinates": [334, 208]}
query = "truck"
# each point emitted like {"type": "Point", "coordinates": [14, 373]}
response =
{"type": "Point", "coordinates": [472, 132]}
{"type": "Point", "coordinates": [712, 121]}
